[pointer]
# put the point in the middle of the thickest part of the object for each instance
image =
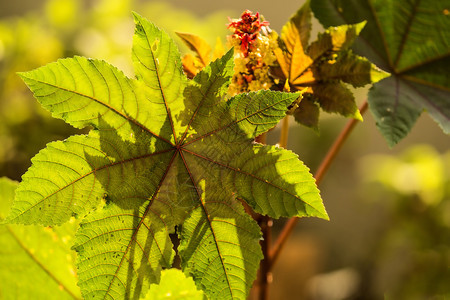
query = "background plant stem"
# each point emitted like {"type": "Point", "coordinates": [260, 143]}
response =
{"type": "Point", "coordinates": [284, 132]}
{"type": "Point", "coordinates": [261, 286]}
{"type": "Point", "coordinates": [265, 274]}
{"type": "Point", "coordinates": [265, 223]}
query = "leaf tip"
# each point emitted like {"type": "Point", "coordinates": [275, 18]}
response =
{"type": "Point", "coordinates": [376, 74]}
{"type": "Point", "coordinates": [360, 26]}
{"type": "Point", "coordinates": [10, 219]}
{"type": "Point", "coordinates": [136, 16]}
{"type": "Point", "coordinates": [138, 20]}
{"type": "Point", "coordinates": [24, 75]}
{"type": "Point", "coordinates": [319, 211]}
{"type": "Point", "coordinates": [229, 54]}
{"type": "Point", "coordinates": [358, 116]}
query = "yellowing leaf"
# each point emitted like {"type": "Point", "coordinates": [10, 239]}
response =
{"type": "Point", "coordinates": [326, 61]}
{"type": "Point", "coordinates": [219, 50]}
{"type": "Point", "coordinates": [350, 68]}
{"type": "Point", "coordinates": [193, 64]}
{"type": "Point", "coordinates": [295, 35]}
{"type": "Point", "coordinates": [198, 45]}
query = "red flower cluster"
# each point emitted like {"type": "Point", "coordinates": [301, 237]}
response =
{"type": "Point", "coordinates": [246, 29]}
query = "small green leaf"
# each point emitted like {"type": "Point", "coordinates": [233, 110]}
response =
{"type": "Point", "coordinates": [174, 285]}
{"type": "Point", "coordinates": [308, 112]}
{"type": "Point", "coordinates": [352, 69]}
{"type": "Point", "coordinates": [336, 98]}
{"type": "Point", "coordinates": [322, 66]}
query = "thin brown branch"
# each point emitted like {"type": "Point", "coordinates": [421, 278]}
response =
{"type": "Point", "coordinates": [261, 287]}
{"type": "Point", "coordinates": [265, 276]}
{"type": "Point", "coordinates": [284, 132]}
{"type": "Point", "coordinates": [321, 171]}
{"type": "Point", "coordinates": [261, 138]}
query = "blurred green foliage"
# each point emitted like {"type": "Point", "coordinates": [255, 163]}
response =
{"type": "Point", "coordinates": [36, 262]}
{"type": "Point", "coordinates": [412, 258]}
{"type": "Point", "coordinates": [63, 28]}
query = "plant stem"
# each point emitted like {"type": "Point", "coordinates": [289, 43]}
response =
{"type": "Point", "coordinates": [337, 145]}
{"type": "Point", "coordinates": [265, 277]}
{"type": "Point", "coordinates": [261, 287]}
{"type": "Point", "coordinates": [321, 171]}
{"type": "Point", "coordinates": [284, 132]}
{"type": "Point", "coordinates": [265, 223]}
{"type": "Point", "coordinates": [261, 138]}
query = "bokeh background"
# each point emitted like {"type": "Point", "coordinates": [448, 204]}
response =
{"type": "Point", "coordinates": [388, 237]}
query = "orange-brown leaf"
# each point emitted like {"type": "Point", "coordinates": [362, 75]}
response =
{"type": "Point", "coordinates": [198, 45]}
{"type": "Point", "coordinates": [191, 65]}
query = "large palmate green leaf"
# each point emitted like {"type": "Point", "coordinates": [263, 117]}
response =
{"type": "Point", "coordinates": [35, 262]}
{"type": "Point", "coordinates": [323, 67]}
{"type": "Point", "coordinates": [410, 40]}
{"type": "Point", "coordinates": [164, 151]}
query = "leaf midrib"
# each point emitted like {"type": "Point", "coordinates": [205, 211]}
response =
{"type": "Point", "coordinates": [425, 98]}
{"type": "Point", "coordinates": [134, 236]}
{"type": "Point", "coordinates": [42, 266]}
{"type": "Point", "coordinates": [406, 34]}
{"type": "Point", "coordinates": [204, 97]}
{"type": "Point", "coordinates": [298, 41]}
{"type": "Point", "coordinates": [234, 122]}
{"type": "Point", "coordinates": [205, 212]}
{"type": "Point", "coordinates": [88, 174]}
{"type": "Point", "coordinates": [344, 20]}
{"type": "Point", "coordinates": [156, 63]}
{"type": "Point", "coordinates": [422, 63]}
{"type": "Point", "coordinates": [250, 175]}
{"type": "Point", "coordinates": [132, 120]}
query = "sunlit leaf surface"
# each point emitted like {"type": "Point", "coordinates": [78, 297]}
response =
{"type": "Point", "coordinates": [164, 151]}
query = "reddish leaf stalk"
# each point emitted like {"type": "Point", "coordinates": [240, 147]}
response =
{"type": "Point", "coordinates": [261, 138]}
{"type": "Point", "coordinates": [265, 276]}
{"type": "Point", "coordinates": [261, 288]}
{"type": "Point", "coordinates": [266, 223]}
{"type": "Point", "coordinates": [284, 132]}
{"type": "Point", "coordinates": [321, 171]}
